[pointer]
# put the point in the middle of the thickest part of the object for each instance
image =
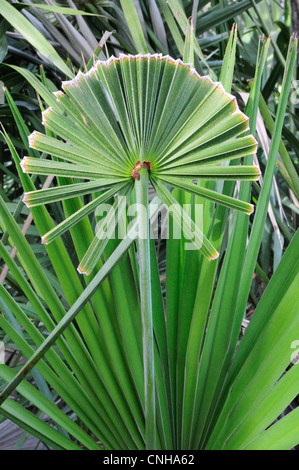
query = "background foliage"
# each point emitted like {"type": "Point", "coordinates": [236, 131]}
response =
{"type": "Point", "coordinates": [42, 44]}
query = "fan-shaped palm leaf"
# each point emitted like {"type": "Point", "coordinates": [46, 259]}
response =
{"type": "Point", "coordinates": [129, 121]}
{"type": "Point", "coordinates": [144, 111]}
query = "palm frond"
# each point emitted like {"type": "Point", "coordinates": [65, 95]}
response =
{"type": "Point", "coordinates": [136, 111]}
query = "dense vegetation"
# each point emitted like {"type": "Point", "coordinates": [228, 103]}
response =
{"type": "Point", "coordinates": [215, 341]}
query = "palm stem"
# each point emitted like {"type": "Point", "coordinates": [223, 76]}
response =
{"type": "Point", "coordinates": [146, 306]}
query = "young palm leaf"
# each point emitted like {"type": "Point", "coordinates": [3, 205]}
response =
{"type": "Point", "coordinates": [130, 121]}
{"type": "Point", "coordinates": [144, 111]}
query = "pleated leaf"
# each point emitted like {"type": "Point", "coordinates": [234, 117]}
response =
{"type": "Point", "coordinates": [141, 111]}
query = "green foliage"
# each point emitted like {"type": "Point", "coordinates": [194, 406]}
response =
{"type": "Point", "coordinates": [149, 350]}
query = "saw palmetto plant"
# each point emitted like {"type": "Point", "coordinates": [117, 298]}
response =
{"type": "Point", "coordinates": [133, 120]}
{"type": "Point", "coordinates": [123, 353]}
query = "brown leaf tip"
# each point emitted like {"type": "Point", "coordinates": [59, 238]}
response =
{"type": "Point", "coordinates": [23, 164]}
{"type": "Point", "coordinates": [214, 256]}
{"type": "Point", "coordinates": [81, 270]}
{"type": "Point", "coordinates": [251, 210]}
{"type": "Point", "coordinates": [44, 240]}
{"type": "Point", "coordinates": [25, 200]}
